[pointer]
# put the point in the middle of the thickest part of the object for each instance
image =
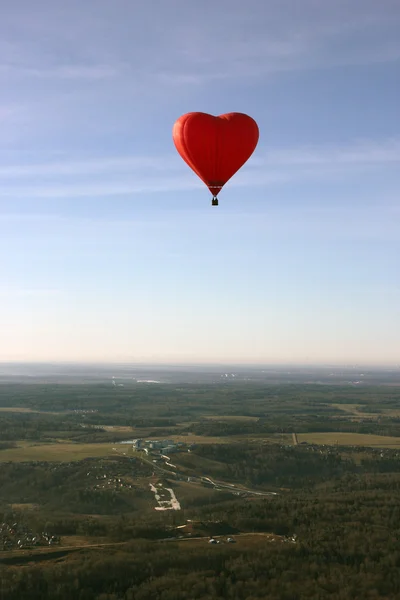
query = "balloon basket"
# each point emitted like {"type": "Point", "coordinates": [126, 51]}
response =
{"type": "Point", "coordinates": [215, 202]}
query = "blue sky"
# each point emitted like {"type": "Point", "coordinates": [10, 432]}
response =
{"type": "Point", "coordinates": [110, 249]}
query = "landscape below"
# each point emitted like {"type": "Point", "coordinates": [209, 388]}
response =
{"type": "Point", "coordinates": [236, 489]}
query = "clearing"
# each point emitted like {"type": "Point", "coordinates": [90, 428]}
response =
{"type": "Point", "coordinates": [24, 506]}
{"type": "Point", "coordinates": [349, 439]}
{"type": "Point", "coordinates": [21, 409]}
{"type": "Point", "coordinates": [231, 418]}
{"type": "Point", "coordinates": [165, 497]}
{"type": "Point", "coordinates": [354, 410]}
{"type": "Point", "coordinates": [55, 452]}
{"type": "Point", "coordinates": [229, 439]}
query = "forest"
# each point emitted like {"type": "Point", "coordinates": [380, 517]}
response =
{"type": "Point", "coordinates": [309, 519]}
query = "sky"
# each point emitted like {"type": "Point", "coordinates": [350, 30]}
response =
{"type": "Point", "coordinates": [110, 249]}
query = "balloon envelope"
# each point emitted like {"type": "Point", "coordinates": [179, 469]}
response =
{"type": "Point", "coordinates": [215, 148]}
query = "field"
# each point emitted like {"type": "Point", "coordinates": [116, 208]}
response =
{"type": "Point", "coordinates": [354, 410]}
{"type": "Point", "coordinates": [230, 418]}
{"type": "Point", "coordinates": [187, 493]}
{"type": "Point", "coordinates": [67, 451]}
{"type": "Point", "coordinates": [118, 429]}
{"type": "Point", "coordinates": [245, 540]}
{"type": "Point", "coordinates": [18, 409]}
{"type": "Point", "coordinates": [64, 452]}
{"type": "Point", "coordinates": [70, 545]}
{"type": "Point", "coordinates": [25, 506]}
{"type": "Point", "coordinates": [349, 439]}
{"type": "Point", "coordinates": [229, 439]}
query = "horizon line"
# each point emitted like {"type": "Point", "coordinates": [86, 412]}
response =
{"type": "Point", "coordinates": [327, 364]}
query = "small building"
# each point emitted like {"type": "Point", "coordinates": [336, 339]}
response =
{"type": "Point", "coordinates": [170, 449]}
{"type": "Point", "coordinates": [155, 444]}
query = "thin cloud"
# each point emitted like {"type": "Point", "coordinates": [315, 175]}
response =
{"type": "Point", "coordinates": [67, 72]}
{"type": "Point", "coordinates": [80, 71]}
{"type": "Point", "coordinates": [130, 175]}
{"type": "Point", "coordinates": [273, 47]}
{"type": "Point", "coordinates": [6, 292]}
{"type": "Point", "coordinates": [12, 115]}
{"type": "Point", "coordinates": [377, 223]}
{"type": "Point", "coordinates": [6, 112]}
{"type": "Point", "coordinates": [249, 40]}
{"type": "Point", "coordinates": [86, 167]}
{"type": "Point", "coordinates": [363, 153]}
{"type": "Point", "coordinates": [116, 188]}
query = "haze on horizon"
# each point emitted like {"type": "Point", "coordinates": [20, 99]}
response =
{"type": "Point", "coordinates": [110, 249]}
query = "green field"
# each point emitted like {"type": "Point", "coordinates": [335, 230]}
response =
{"type": "Point", "coordinates": [55, 452]}
{"type": "Point", "coordinates": [230, 418]}
{"type": "Point", "coordinates": [354, 410]}
{"type": "Point", "coordinates": [229, 439]}
{"type": "Point", "coordinates": [349, 439]}
{"type": "Point", "coordinates": [20, 409]}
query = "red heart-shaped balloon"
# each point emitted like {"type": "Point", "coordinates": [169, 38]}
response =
{"type": "Point", "coordinates": [215, 147]}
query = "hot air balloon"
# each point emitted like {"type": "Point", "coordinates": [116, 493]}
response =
{"type": "Point", "coordinates": [215, 148]}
